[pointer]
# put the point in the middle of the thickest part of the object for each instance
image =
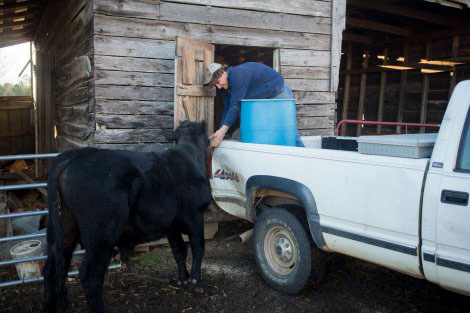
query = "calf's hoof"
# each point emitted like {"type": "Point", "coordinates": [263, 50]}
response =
{"type": "Point", "coordinates": [179, 283]}
{"type": "Point", "coordinates": [196, 287]}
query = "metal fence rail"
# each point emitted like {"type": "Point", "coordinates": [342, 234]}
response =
{"type": "Point", "coordinates": [39, 279]}
{"type": "Point", "coordinates": [29, 213]}
{"type": "Point", "coordinates": [28, 156]}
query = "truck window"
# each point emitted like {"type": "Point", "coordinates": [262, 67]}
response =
{"type": "Point", "coordinates": [463, 159]}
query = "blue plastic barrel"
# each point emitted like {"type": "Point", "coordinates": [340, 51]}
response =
{"type": "Point", "coordinates": [268, 121]}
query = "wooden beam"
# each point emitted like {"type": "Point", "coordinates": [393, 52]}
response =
{"type": "Point", "coordinates": [15, 33]}
{"type": "Point", "coordinates": [31, 181]}
{"type": "Point", "coordinates": [19, 5]}
{"type": "Point", "coordinates": [243, 18]}
{"type": "Point", "coordinates": [16, 36]}
{"type": "Point", "coordinates": [356, 38]}
{"type": "Point", "coordinates": [15, 98]}
{"type": "Point", "coordinates": [337, 27]}
{"type": "Point", "coordinates": [406, 11]}
{"type": "Point", "coordinates": [347, 89]}
{"type": "Point", "coordinates": [16, 41]}
{"type": "Point", "coordinates": [424, 92]}
{"type": "Point", "coordinates": [453, 74]}
{"type": "Point", "coordinates": [277, 60]}
{"type": "Point", "coordinates": [375, 26]}
{"type": "Point", "coordinates": [12, 16]}
{"type": "Point", "coordinates": [16, 105]}
{"type": "Point", "coordinates": [414, 66]}
{"type": "Point", "coordinates": [200, 91]}
{"type": "Point", "coordinates": [426, 36]}
{"type": "Point", "coordinates": [362, 92]}
{"type": "Point", "coordinates": [383, 85]}
{"type": "Point", "coordinates": [11, 25]}
{"type": "Point", "coordinates": [298, 7]}
{"type": "Point", "coordinates": [401, 99]}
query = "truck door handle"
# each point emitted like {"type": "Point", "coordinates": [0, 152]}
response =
{"type": "Point", "coordinates": [454, 197]}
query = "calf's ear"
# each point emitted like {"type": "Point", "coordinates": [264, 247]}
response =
{"type": "Point", "coordinates": [170, 135]}
{"type": "Point", "coordinates": [204, 127]}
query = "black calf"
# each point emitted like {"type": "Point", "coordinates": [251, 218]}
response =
{"type": "Point", "coordinates": [106, 198]}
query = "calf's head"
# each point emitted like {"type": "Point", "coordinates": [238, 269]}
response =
{"type": "Point", "coordinates": [192, 133]}
{"type": "Point", "coordinates": [194, 137]}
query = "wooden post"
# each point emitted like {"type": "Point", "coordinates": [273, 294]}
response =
{"type": "Point", "coordinates": [424, 93]}
{"type": "Point", "coordinates": [401, 101]}
{"type": "Point", "coordinates": [362, 91]}
{"type": "Point", "coordinates": [11, 141]}
{"type": "Point", "coordinates": [338, 15]}
{"type": "Point", "coordinates": [277, 60]}
{"type": "Point", "coordinates": [453, 74]}
{"type": "Point", "coordinates": [347, 88]}
{"type": "Point", "coordinates": [383, 85]}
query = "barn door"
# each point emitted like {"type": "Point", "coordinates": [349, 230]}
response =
{"type": "Point", "coordinates": [193, 101]}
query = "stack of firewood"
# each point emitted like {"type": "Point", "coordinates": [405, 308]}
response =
{"type": "Point", "coordinates": [19, 172]}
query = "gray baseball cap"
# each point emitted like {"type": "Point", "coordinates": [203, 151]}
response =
{"type": "Point", "coordinates": [209, 72]}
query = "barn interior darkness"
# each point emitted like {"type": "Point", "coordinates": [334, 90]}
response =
{"type": "Point", "coordinates": [400, 62]}
{"type": "Point", "coordinates": [235, 55]}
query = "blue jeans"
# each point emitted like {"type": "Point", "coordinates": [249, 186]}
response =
{"type": "Point", "coordinates": [286, 93]}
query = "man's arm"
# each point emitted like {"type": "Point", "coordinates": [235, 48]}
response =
{"type": "Point", "coordinates": [238, 85]}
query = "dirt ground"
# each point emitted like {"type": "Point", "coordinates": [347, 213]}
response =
{"type": "Point", "coordinates": [232, 284]}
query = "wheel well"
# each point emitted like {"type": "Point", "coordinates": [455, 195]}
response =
{"type": "Point", "coordinates": [264, 199]}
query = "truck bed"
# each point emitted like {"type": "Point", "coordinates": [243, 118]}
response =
{"type": "Point", "coordinates": [357, 193]}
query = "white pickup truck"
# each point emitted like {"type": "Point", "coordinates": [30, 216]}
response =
{"type": "Point", "coordinates": [407, 214]}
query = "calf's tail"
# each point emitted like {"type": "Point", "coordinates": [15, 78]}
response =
{"type": "Point", "coordinates": [54, 269]}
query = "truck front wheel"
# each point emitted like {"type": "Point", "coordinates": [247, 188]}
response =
{"type": "Point", "coordinates": [283, 250]}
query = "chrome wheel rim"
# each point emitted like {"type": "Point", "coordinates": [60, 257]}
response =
{"type": "Point", "coordinates": [280, 250]}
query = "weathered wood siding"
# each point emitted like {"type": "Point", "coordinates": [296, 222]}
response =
{"type": "Point", "coordinates": [135, 50]}
{"type": "Point", "coordinates": [64, 86]}
{"type": "Point", "coordinates": [16, 125]}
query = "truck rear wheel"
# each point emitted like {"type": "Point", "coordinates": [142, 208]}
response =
{"type": "Point", "coordinates": [283, 251]}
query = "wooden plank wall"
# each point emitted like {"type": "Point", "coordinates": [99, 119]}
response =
{"type": "Point", "coordinates": [135, 50]}
{"type": "Point", "coordinates": [64, 77]}
{"type": "Point", "coordinates": [424, 96]}
{"type": "Point", "coordinates": [16, 125]}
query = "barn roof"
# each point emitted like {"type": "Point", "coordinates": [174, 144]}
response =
{"type": "Point", "coordinates": [19, 20]}
{"type": "Point", "coordinates": [371, 22]}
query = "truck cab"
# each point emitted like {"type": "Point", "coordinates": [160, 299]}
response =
{"type": "Point", "coordinates": [445, 233]}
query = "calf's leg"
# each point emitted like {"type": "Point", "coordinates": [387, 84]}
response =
{"type": "Point", "coordinates": [50, 275]}
{"type": "Point", "coordinates": [60, 247]}
{"type": "Point", "coordinates": [99, 238]}
{"type": "Point", "coordinates": [70, 237]}
{"type": "Point", "coordinates": [180, 252]}
{"type": "Point", "coordinates": [196, 239]}
{"type": "Point", "coordinates": [92, 272]}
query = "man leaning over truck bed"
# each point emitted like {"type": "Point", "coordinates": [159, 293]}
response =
{"type": "Point", "coordinates": [249, 80]}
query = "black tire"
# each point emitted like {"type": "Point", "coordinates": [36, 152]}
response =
{"type": "Point", "coordinates": [283, 251]}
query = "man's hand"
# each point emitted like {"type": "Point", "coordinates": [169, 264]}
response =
{"type": "Point", "coordinates": [218, 136]}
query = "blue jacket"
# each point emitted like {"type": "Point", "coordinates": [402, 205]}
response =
{"type": "Point", "coordinates": [249, 80]}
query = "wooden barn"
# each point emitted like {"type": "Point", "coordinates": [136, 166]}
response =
{"type": "Point", "coordinates": [121, 73]}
